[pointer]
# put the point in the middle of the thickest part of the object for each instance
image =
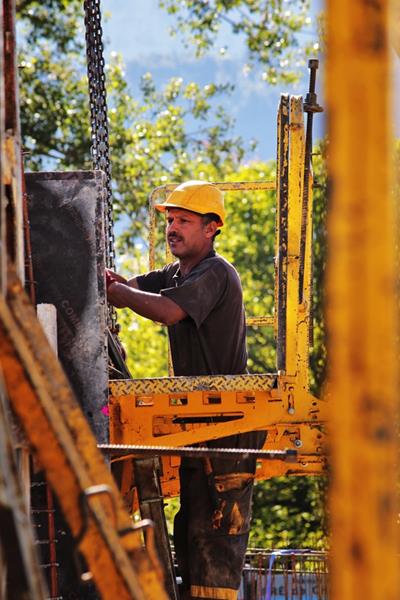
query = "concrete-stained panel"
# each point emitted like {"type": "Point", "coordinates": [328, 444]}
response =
{"type": "Point", "coordinates": [67, 236]}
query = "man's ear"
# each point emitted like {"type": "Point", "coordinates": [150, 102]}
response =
{"type": "Point", "coordinates": [210, 229]}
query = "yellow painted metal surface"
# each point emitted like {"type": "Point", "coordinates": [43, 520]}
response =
{"type": "Point", "coordinates": [296, 178]}
{"type": "Point", "coordinates": [177, 385]}
{"type": "Point", "coordinates": [260, 321]}
{"type": "Point", "coordinates": [65, 447]}
{"type": "Point", "coordinates": [144, 418]}
{"type": "Point", "coordinates": [395, 23]}
{"type": "Point", "coordinates": [281, 231]}
{"type": "Point", "coordinates": [153, 412]}
{"type": "Point", "coordinates": [362, 306]}
{"type": "Point", "coordinates": [307, 439]}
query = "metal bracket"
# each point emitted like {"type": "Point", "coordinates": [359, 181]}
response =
{"type": "Point", "coordinates": [90, 492]}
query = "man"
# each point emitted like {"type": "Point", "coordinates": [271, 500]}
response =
{"type": "Point", "coordinates": [200, 298]}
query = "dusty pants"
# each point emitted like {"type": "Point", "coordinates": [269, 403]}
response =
{"type": "Point", "coordinates": [210, 552]}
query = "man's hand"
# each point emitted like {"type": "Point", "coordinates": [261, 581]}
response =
{"type": "Point", "coordinates": [113, 296]}
{"type": "Point", "coordinates": [111, 276]}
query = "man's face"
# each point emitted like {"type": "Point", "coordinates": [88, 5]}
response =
{"type": "Point", "coordinates": [187, 236]}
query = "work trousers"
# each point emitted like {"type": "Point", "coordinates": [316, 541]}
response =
{"type": "Point", "coordinates": [211, 529]}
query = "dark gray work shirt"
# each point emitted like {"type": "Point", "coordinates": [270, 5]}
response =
{"type": "Point", "coordinates": [211, 340]}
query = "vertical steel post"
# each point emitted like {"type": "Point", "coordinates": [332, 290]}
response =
{"type": "Point", "coordinates": [12, 212]}
{"type": "Point", "coordinates": [361, 306]}
{"type": "Point", "coordinates": [296, 320]}
{"type": "Point", "coordinates": [282, 185]}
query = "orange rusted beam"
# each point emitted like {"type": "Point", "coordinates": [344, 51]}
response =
{"type": "Point", "coordinates": [65, 447]}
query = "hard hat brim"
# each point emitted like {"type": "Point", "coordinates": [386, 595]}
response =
{"type": "Point", "coordinates": [162, 207]}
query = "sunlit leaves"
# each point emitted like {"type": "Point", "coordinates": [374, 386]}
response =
{"type": "Point", "coordinates": [289, 513]}
{"type": "Point", "coordinates": [271, 31]}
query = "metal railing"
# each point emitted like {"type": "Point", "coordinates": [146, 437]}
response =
{"type": "Point", "coordinates": [284, 575]}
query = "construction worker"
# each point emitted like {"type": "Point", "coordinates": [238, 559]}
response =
{"type": "Point", "coordinates": [200, 298]}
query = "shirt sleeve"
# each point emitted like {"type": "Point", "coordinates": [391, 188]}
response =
{"type": "Point", "coordinates": [154, 281]}
{"type": "Point", "coordinates": [200, 292]}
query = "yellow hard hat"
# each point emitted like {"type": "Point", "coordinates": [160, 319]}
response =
{"type": "Point", "coordinates": [198, 196]}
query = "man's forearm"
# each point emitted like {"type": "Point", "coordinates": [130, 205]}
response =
{"type": "Point", "coordinates": [152, 306]}
{"type": "Point", "coordinates": [133, 283]}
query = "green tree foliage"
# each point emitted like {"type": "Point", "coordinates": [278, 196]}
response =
{"type": "Point", "coordinates": [271, 30]}
{"type": "Point", "coordinates": [318, 358]}
{"type": "Point", "coordinates": [154, 138]}
{"type": "Point", "coordinates": [53, 92]}
{"type": "Point", "coordinates": [171, 134]}
{"type": "Point", "coordinates": [289, 513]}
{"type": "Point", "coordinates": [53, 23]}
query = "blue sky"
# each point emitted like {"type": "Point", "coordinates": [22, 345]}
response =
{"type": "Point", "coordinates": [140, 32]}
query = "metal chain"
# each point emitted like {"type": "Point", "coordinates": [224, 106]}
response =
{"type": "Point", "coordinates": [100, 148]}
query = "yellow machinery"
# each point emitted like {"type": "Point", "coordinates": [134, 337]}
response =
{"type": "Point", "coordinates": [181, 411]}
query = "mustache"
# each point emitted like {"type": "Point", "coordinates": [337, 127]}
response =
{"type": "Point", "coordinates": [174, 237]}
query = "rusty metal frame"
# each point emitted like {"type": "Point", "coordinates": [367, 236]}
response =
{"type": "Point", "coordinates": [47, 410]}
{"type": "Point", "coordinates": [19, 564]}
{"type": "Point", "coordinates": [179, 411]}
{"type": "Point", "coordinates": [12, 173]}
{"type": "Point", "coordinates": [281, 231]}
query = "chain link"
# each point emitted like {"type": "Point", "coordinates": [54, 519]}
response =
{"type": "Point", "coordinates": [100, 147]}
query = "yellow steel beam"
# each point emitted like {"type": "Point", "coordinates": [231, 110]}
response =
{"type": "Point", "coordinates": [306, 438]}
{"type": "Point", "coordinates": [281, 231]}
{"type": "Point", "coordinates": [362, 305]}
{"type": "Point", "coordinates": [395, 23]}
{"type": "Point", "coordinates": [296, 180]}
{"type": "Point", "coordinates": [65, 447]}
{"type": "Point", "coordinates": [260, 321]}
{"type": "Point", "coordinates": [182, 411]}
{"type": "Point", "coordinates": [179, 385]}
